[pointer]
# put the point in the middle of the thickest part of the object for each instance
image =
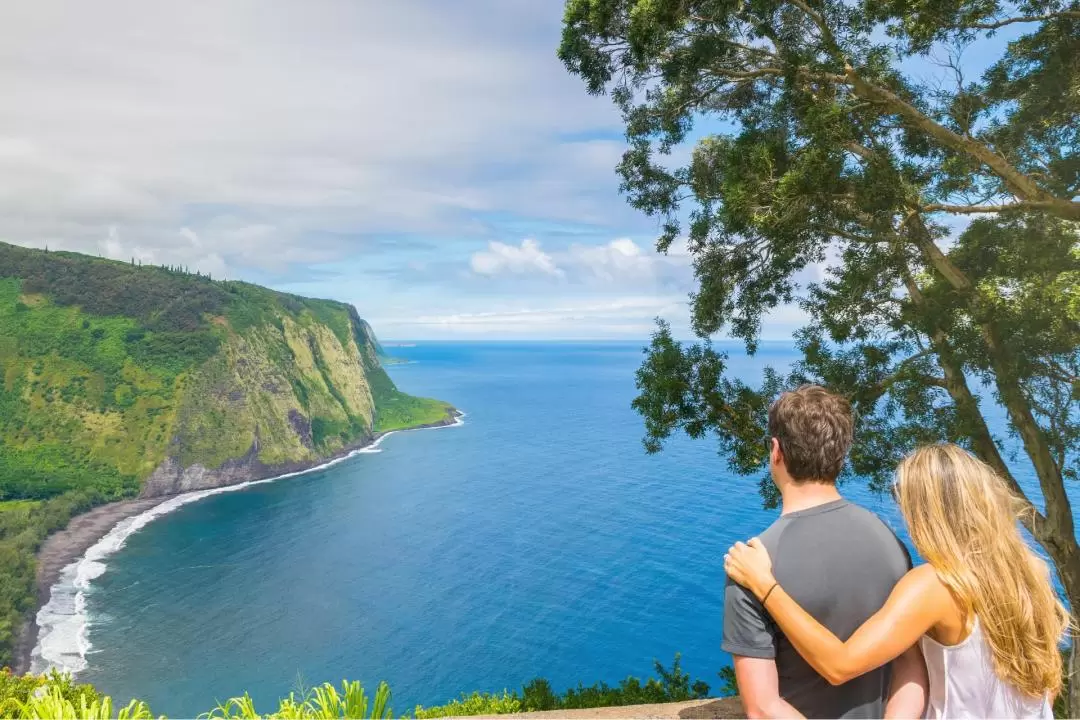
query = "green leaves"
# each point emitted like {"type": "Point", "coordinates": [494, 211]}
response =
{"type": "Point", "coordinates": [474, 704]}
{"type": "Point", "coordinates": [53, 704]}
{"type": "Point", "coordinates": [672, 685]}
{"type": "Point", "coordinates": [58, 696]}
{"type": "Point", "coordinates": [324, 702]}
{"type": "Point", "coordinates": [684, 388]}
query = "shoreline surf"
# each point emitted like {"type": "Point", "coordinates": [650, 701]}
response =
{"type": "Point", "coordinates": [57, 635]}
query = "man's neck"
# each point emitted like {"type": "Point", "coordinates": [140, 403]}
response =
{"type": "Point", "coordinates": [805, 495]}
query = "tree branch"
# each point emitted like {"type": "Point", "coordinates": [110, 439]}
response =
{"type": "Point", "coordinates": [938, 260]}
{"type": "Point", "coordinates": [853, 237]}
{"type": "Point", "coordinates": [749, 48]}
{"type": "Point", "coordinates": [900, 371]}
{"type": "Point", "coordinates": [823, 27]}
{"type": "Point", "coordinates": [694, 99]}
{"type": "Point", "coordinates": [1055, 371]}
{"type": "Point", "coordinates": [1007, 207]}
{"type": "Point", "coordinates": [750, 74]}
{"type": "Point", "coordinates": [1018, 183]}
{"type": "Point", "coordinates": [1072, 14]}
{"type": "Point", "coordinates": [864, 152]}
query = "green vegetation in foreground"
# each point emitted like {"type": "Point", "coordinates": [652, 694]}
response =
{"type": "Point", "coordinates": [673, 685]}
{"type": "Point", "coordinates": [57, 696]}
{"type": "Point", "coordinates": [108, 369]}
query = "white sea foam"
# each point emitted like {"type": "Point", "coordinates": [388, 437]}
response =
{"type": "Point", "coordinates": [63, 623]}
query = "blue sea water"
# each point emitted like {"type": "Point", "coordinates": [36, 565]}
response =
{"type": "Point", "coordinates": [536, 539]}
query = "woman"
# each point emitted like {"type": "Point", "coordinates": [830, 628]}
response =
{"type": "Point", "coordinates": [983, 608]}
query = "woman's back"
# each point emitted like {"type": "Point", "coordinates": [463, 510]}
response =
{"type": "Point", "coordinates": [963, 683]}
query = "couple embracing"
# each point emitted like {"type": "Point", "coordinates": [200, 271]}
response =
{"type": "Point", "coordinates": [826, 616]}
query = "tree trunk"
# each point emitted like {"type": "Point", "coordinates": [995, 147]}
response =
{"type": "Point", "coordinates": [1070, 578]}
{"type": "Point", "coordinates": [1072, 707]}
{"type": "Point", "coordinates": [1065, 554]}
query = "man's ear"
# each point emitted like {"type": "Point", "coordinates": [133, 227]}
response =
{"type": "Point", "coordinates": [776, 456]}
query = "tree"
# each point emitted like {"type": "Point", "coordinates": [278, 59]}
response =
{"type": "Point", "coordinates": [946, 215]}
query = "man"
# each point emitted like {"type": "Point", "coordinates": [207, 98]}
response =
{"type": "Point", "coordinates": [838, 560]}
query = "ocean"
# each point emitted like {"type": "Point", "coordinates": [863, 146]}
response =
{"type": "Point", "coordinates": [535, 539]}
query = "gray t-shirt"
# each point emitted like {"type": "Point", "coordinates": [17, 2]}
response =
{"type": "Point", "coordinates": [839, 562]}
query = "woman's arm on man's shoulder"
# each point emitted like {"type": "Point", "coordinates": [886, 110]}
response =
{"type": "Point", "coordinates": [917, 603]}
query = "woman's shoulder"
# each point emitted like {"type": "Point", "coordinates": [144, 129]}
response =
{"type": "Point", "coordinates": [923, 583]}
{"type": "Point", "coordinates": [925, 574]}
{"type": "Point", "coordinates": [923, 587]}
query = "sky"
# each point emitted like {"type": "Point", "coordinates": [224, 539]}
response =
{"type": "Point", "coordinates": [430, 162]}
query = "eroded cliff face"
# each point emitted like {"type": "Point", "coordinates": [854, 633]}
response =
{"type": "Point", "coordinates": [277, 398]}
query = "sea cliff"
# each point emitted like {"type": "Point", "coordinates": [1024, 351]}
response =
{"type": "Point", "coordinates": [119, 380]}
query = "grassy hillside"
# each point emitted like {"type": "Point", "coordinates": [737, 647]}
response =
{"type": "Point", "coordinates": [117, 379]}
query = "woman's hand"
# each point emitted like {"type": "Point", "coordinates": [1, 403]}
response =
{"type": "Point", "coordinates": [749, 565]}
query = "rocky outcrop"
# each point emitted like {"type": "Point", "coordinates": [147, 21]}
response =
{"type": "Point", "coordinates": [172, 478]}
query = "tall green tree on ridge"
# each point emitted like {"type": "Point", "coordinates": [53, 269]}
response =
{"type": "Point", "coordinates": [836, 153]}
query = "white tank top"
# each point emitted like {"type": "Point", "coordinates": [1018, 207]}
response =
{"type": "Point", "coordinates": [963, 683]}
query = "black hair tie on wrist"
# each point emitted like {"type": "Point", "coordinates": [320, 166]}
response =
{"type": "Point", "coordinates": [766, 598]}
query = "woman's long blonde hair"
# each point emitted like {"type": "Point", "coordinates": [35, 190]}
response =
{"type": "Point", "coordinates": [963, 521]}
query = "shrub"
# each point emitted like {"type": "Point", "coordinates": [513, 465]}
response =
{"type": "Point", "coordinates": [320, 703]}
{"type": "Point", "coordinates": [18, 693]}
{"type": "Point", "coordinates": [475, 704]}
{"type": "Point", "coordinates": [673, 685]}
{"type": "Point", "coordinates": [54, 704]}
{"type": "Point", "coordinates": [538, 695]}
{"type": "Point", "coordinates": [728, 686]}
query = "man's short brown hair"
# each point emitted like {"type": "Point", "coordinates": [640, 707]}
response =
{"type": "Point", "coordinates": [814, 428]}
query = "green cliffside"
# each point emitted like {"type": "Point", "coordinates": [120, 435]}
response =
{"type": "Point", "coordinates": [118, 380]}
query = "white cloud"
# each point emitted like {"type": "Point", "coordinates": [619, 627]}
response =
{"type": "Point", "coordinates": [619, 259]}
{"type": "Point", "coordinates": [316, 124]}
{"type": "Point", "coordinates": [613, 289]}
{"type": "Point", "coordinates": [621, 264]}
{"type": "Point", "coordinates": [527, 258]}
{"type": "Point", "coordinates": [192, 254]}
{"type": "Point", "coordinates": [110, 246]}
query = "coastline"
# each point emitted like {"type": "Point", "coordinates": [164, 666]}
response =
{"type": "Point", "coordinates": [68, 547]}
{"type": "Point", "coordinates": [64, 547]}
